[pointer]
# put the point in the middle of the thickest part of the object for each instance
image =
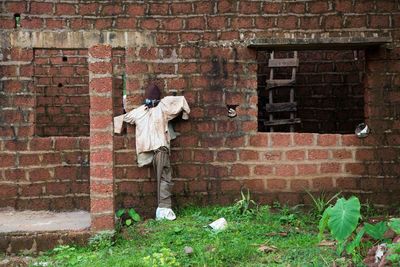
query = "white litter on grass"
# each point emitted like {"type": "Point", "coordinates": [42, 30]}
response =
{"type": "Point", "coordinates": [219, 224]}
{"type": "Point", "coordinates": [380, 251]}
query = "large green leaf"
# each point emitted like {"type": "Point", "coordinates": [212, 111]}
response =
{"type": "Point", "coordinates": [343, 218]}
{"type": "Point", "coordinates": [134, 215]}
{"type": "Point", "coordinates": [120, 212]}
{"type": "Point", "coordinates": [376, 231]}
{"type": "Point", "coordinates": [394, 223]}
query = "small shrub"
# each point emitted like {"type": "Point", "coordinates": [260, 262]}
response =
{"type": "Point", "coordinates": [163, 258]}
{"type": "Point", "coordinates": [102, 240]}
{"type": "Point", "coordinates": [126, 217]}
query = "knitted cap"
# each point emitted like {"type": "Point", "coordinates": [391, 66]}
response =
{"type": "Point", "coordinates": [153, 92]}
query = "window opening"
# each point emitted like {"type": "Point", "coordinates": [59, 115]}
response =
{"type": "Point", "coordinates": [312, 91]}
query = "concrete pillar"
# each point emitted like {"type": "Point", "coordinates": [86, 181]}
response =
{"type": "Point", "coordinates": [101, 138]}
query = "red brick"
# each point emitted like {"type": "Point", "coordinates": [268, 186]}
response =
{"type": "Point", "coordinates": [79, 24]}
{"type": "Point", "coordinates": [29, 159]}
{"type": "Point", "coordinates": [136, 68]}
{"type": "Point", "coordinates": [103, 222]}
{"type": "Point", "coordinates": [276, 184]}
{"type": "Point", "coordinates": [101, 24]}
{"type": "Point", "coordinates": [248, 155]}
{"type": "Point", "coordinates": [230, 185]}
{"type": "Point", "coordinates": [31, 190]}
{"type": "Point", "coordinates": [318, 7]}
{"type": "Point", "coordinates": [21, 54]}
{"type": "Point", "coordinates": [342, 154]}
{"type": "Point", "coordinates": [355, 168]}
{"type": "Point", "coordinates": [259, 140]}
{"type": "Point", "coordinates": [31, 23]}
{"type": "Point", "coordinates": [226, 155]}
{"type": "Point", "coordinates": [198, 186]}
{"type": "Point", "coordinates": [15, 145]}
{"type": "Point", "coordinates": [247, 7]}
{"type": "Point", "coordinates": [100, 51]}
{"type": "Point", "coordinates": [65, 9]}
{"type": "Point", "coordinates": [88, 9]}
{"type": "Point", "coordinates": [365, 154]}
{"type": "Point", "coordinates": [263, 170]}
{"type": "Point", "coordinates": [229, 35]}
{"type": "Point", "coordinates": [66, 143]}
{"type": "Point", "coordinates": [325, 183]}
{"type": "Point", "coordinates": [181, 8]}
{"type": "Point", "coordinates": [254, 185]}
{"type": "Point", "coordinates": [344, 6]}
{"type": "Point", "coordinates": [294, 7]}
{"type": "Point", "coordinates": [287, 22]}
{"type": "Point", "coordinates": [189, 170]}
{"type": "Point", "coordinates": [101, 205]}
{"type": "Point", "coordinates": [40, 174]}
{"type": "Point", "coordinates": [173, 24]}
{"type": "Point", "coordinates": [330, 167]}
{"type": "Point", "coordinates": [41, 8]}
{"type": "Point", "coordinates": [136, 9]}
{"type": "Point", "coordinates": [284, 170]}
{"type": "Point", "coordinates": [9, 23]}
{"type": "Point", "coordinates": [351, 140]}
{"type": "Point", "coordinates": [101, 67]}
{"type": "Point", "coordinates": [8, 191]}
{"type": "Point", "coordinates": [112, 10]}
{"type": "Point", "coordinates": [234, 142]}
{"type": "Point", "coordinates": [272, 8]}
{"type": "Point", "coordinates": [101, 85]}
{"type": "Point", "coordinates": [203, 156]}
{"type": "Point", "coordinates": [158, 9]}
{"type": "Point", "coordinates": [203, 7]}
{"type": "Point", "coordinates": [348, 183]}
{"type": "Point", "coordinates": [295, 155]}
{"type": "Point", "coordinates": [149, 24]}
{"type": "Point", "coordinates": [379, 21]}
{"type": "Point", "coordinates": [327, 140]}
{"type": "Point", "coordinates": [299, 185]}
{"type": "Point", "coordinates": [314, 154]}
{"type": "Point", "coordinates": [126, 23]}
{"type": "Point", "coordinates": [16, 7]}
{"type": "Point", "coordinates": [355, 21]}
{"type": "Point", "coordinates": [281, 140]}
{"type": "Point", "coordinates": [307, 169]}
{"type": "Point", "coordinates": [196, 23]}
{"type": "Point", "coordinates": [101, 156]}
{"type": "Point", "coordinates": [272, 155]}
{"type": "Point", "coordinates": [242, 23]}
{"type": "Point", "coordinates": [264, 23]}
{"type": "Point", "coordinates": [309, 22]}
{"type": "Point", "coordinates": [240, 170]}
{"type": "Point", "coordinates": [226, 6]}
{"type": "Point", "coordinates": [101, 172]}
{"type": "Point", "coordinates": [7, 160]}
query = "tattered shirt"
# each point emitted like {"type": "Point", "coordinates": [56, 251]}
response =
{"type": "Point", "coordinates": [152, 131]}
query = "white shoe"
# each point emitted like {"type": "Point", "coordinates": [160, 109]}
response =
{"type": "Point", "coordinates": [165, 213]}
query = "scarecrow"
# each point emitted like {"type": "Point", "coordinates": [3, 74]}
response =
{"type": "Point", "coordinates": [153, 135]}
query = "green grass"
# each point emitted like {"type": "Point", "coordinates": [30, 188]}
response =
{"type": "Point", "coordinates": [152, 243]}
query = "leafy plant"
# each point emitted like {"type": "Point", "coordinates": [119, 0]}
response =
{"type": "Point", "coordinates": [394, 255]}
{"type": "Point", "coordinates": [127, 217]}
{"type": "Point", "coordinates": [394, 223]}
{"type": "Point", "coordinates": [246, 205]}
{"type": "Point", "coordinates": [320, 203]}
{"type": "Point", "coordinates": [376, 231]}
{"type": "Point", "coordinates": [342, 219]}
{"type": "Point", "coordinates": [163, 258]}
{"type": "Point", "coordinates": [102, 240]}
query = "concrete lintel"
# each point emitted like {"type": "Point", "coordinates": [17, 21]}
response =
{"type": "Point", "coordinates": [336, 43]}
{"type": "Point", "coordinates": [75, 39]}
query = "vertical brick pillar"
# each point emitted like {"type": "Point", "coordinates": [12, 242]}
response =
{"type": "Point", "coordinates": [101, 138]}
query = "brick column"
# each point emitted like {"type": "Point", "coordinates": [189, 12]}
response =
{"type": "Point", "coordinates": [101, 138]}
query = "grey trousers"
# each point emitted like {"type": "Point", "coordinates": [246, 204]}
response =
{"type": "Point", "coordinates": [162, 169]}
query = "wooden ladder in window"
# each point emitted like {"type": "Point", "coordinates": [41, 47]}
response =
{"type": "Point", "coordinates": [279, 84]}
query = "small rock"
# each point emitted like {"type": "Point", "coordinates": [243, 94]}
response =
{"type": "Point", "coordinates": [188, 250]}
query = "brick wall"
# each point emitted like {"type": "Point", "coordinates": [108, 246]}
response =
{"type": "Point", "coordinates": [62, 92]}
{"type": "Point", "coordinates": [200, 50]}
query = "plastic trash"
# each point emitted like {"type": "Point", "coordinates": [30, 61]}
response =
{"type": "Point", "coordinates": [165, 213]}
{"type": "Point", "coordinates": [219, 224]}
{"type": "Point", "coordinates": [362, 130]}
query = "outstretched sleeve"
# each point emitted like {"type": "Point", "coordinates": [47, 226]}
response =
{"type": "Point", "coordinates": [172, 106]}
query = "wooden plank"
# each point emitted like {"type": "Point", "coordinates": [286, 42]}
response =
{"type": "Point", "coordinates": [281, 107]}
{"type": "Point", "coordinates": [280, 83]}
{"type": "Point", "coordinates": [282, 122]}
{"type": "Point", "coordinates": [283, 62]}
